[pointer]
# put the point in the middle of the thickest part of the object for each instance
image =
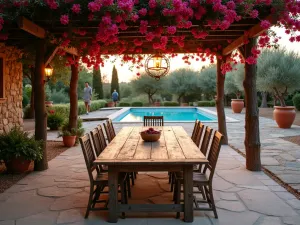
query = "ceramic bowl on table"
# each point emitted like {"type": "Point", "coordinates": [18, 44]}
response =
{"type": "Point", "coordinates": [150, 135]}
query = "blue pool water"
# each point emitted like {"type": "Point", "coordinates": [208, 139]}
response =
{"type": "Point", "coordinates": [169, 114]}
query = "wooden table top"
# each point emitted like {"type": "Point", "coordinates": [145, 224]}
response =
{"type": "Point", "coordinates": [174, 147]}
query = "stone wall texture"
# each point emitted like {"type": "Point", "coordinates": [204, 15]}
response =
{"type": "Point", "coordinates": [11, 113]}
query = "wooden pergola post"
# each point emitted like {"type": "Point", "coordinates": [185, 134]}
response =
{"type": "Point", "coordinates": [39, 102]}
{"type": "Point", "coordinates": [220, 100]}
{"type": "Point", "coordinates": [73, 97]}
{"type": "Point", "coordinates": [252, 137]}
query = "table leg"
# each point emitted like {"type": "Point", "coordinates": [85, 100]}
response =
{"type": "Point", "coordinates": [188, 193]}
{"type": "Point", "coordinates": [113, 195]}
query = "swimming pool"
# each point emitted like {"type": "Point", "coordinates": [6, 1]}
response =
{"type": "Point", "coordinates": [178, 114]}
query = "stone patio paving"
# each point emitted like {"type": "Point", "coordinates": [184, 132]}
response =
{"type": "Point", "coordinates": [59, 195]}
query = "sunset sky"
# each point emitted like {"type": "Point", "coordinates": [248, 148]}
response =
{"type": "Point", "coordinates": [125, 74]}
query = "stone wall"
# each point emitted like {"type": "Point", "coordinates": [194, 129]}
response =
{"type": "Point", "coordinates": [11, 113]}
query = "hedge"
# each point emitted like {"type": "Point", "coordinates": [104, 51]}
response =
{"type": "Point", "coordinates": [171, 104]}
{"type": "Point", "coordinates": [136, 104]}
{"type": "Point", "coordinates": [206, 103]}
{"type": "Point", "coordinates": [296, 101]}
{"type": "Point", "coordinates": [64, 109]}
{"type": "Point", "coordinates": [124, 104]}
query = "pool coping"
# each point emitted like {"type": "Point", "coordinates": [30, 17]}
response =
{"type": "Point", "coordinates": [125, 109]}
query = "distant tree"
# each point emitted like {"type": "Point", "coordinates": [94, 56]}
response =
{"type": "Point", "coordinates": [97, 83]}
{"type": "Point", "coordinates": [278, 73]}
{"type": "Point", "coordinates": [183, 82]}
{"type": "Point", "coordinates": [125, 89]}
{"type": "Point", "coordinates": [115, 82]}
{"type": "Point", "coordinates": [207, 81]}
{"type": "Point", "coordinates": [147, 85]}
{"type": "Point", "coordinates": [234, 81]}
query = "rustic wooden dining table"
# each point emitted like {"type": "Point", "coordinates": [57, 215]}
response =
{"type": "Point", "coordinates": [174, 151]}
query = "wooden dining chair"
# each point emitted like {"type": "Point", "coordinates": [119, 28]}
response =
{"type": "Point", "coordinates": [206, 139]}
{"type": "Point", "coordinates": [203, 180]}
{"type": "Point", "coordinates": [109, 130]}
{"type": "Point", "coordinates": [98, 181]}
{"type": "Point", "coordinates": [198, 133]}
{"type": "Point", "coordinates": [195, 129]}
{"type": "Point", "coordinates": [155, 121]}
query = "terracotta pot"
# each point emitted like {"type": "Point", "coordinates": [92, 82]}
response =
{"type": "Point", "coordinates": [17, 165]}
{"type": "Point", "coordinates": [156, 103]}
{"type": "Point", "coordinates": [184, 104]}
{"type": "Point", "coordinates": [110, 104]}
{"type": "Point", "coordinates": [48, 103]}
{"type": "Point", "coordinates": [69, 141]}
{"type": "Point", "coordinates": [284, 116]}
{"type": "Point", "coordinates": [237, 105]}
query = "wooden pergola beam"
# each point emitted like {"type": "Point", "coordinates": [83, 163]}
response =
{"type": "Point", "coordinates": [51, 56]}
{"type": "Point", "coordinates": [31, 27]}
{"type": "Point", "coordinates": [252, 32]}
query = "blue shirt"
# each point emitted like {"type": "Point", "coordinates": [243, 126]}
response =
{"type": "Point", "coordinates": [115, 96]}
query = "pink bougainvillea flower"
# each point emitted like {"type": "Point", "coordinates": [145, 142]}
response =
{"type": "Point", "coordinates": [251, 60]}
{"type": "Point", "coordinates": [76, 8]}
{"type": "Point", "coordinates": [64, 19]}
{"type": "Point", "coordinates": [265, 24]}
{"type": "Point", "coordinates": [171, 29]}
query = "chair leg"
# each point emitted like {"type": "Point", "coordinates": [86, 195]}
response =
{"type": "Point", "coordinates": [128, 185]}
{"type": "Point", "coordinates": [177, 196]}
{"type": "Point", "coordinates": [172, 181]}
{"type": "Point", "coordinates": [97, 195]}
{"type": "Point", "coordinates": [212, 201]}
{"type": "Point", "coordinates": [89, 202]}
{"type": "Point", "coordinates": [132, 178]}
{"type": "Point", "coordinates": [169, 173]}
{"type": "Point", "coordinates": [123, 195]}
{"type": "Point", "coordinates": [135, 173]}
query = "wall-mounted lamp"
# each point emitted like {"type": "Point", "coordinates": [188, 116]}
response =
{"type": "Point", "coordinates": [48, 72]}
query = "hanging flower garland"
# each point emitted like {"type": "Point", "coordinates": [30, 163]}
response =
{"type": "Point", "coordinates": [158, 21]}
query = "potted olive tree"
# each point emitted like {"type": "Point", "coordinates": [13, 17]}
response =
{"type": "Point", "coordinates": [278, 73]}
{"type": "Point", "coordinates": [234, 85]}
{"type": "Point", "coordinates": [18, 150]}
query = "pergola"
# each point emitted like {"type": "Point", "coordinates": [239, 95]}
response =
{"type": "Point", "coordinates": [37, 29]}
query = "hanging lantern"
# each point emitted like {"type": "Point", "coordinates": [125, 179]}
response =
{"type": "Point", "coordinates": [157, 66]}
{"type": "Point", "coordinates": [48, 72]}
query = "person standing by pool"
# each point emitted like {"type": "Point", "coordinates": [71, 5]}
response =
{"type": "Point", "coordinates": [87, 97]}
{"type": "Point", "coordinates": [115, 97]}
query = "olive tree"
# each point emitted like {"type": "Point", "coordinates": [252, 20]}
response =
{"type": "Point", "coordinates": [278, 72]}
{"type": "Point", "coordinates": [207, 81]}
{"type": "Point", "coordinates": [145, 84]}
{"type": "Point", "coordinates": [234, 81]}
{"type": "Point", "coordinates": [183, 82]}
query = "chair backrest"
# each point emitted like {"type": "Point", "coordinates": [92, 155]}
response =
{"type": "Point", "coordinates": [102, 137]}
{"type": "Point", "coordinates": [195, 130]}
{"type": "Point", "coordinates": [213, 154]}
{"type": "Point", "coordinates": [199, 134]}
{"type": "Point", "coordinates": [98, 146]}
{"type": "Point", "coordinates": [153, 121]}
{"type": "Point", "coordinates": [205, 141]}
{"type": "Point", "coordinates": [89, 154]}
{"type": "Point", "coordinates": [108, 134]}
{"type": "Point", "coordinates": [111, 128]}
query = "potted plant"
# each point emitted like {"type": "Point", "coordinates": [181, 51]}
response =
{"type": "Point", "coordinates": [110, 104]}
{"type": "Point", "coordinates": [157, 102]}
{"type": "Point", "coordinates": [278, 73]}
{"type": "Point", "coordinates": [233, 85]}
{"type": "Point", "coordinates": [71, 135]}
{"type": "Point", "coordinates": [184, 104]}
{"type": "Point", "coordinates": [18, 150]}
{"type": "Point", "coordinates": [54, 120]}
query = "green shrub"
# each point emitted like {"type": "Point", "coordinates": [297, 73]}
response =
{"type": "Point", "coordinates": [137, 104]}
{"type": "Point", "coordinates": [296, 101]}
{"type": "Point", "coordinates": [25, 100]}
{"type": "Point", "coordinates": [55, 120]}
{"type": "Point", "coordinates": [124, 104]}
{"type": "Point", "coordinates": [60, 97]}
{"type": "Point", "coordinates": [206, 103]}
{"type": "Point", "coordinates": [171, 104]}
{"type": "Point", "coordinates": [17, 143]}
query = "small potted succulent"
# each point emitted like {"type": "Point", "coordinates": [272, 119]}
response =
{"type": "Point", "coordinates": [19, 149]}
{"type": "Point", "coordinates": [54, 120]}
